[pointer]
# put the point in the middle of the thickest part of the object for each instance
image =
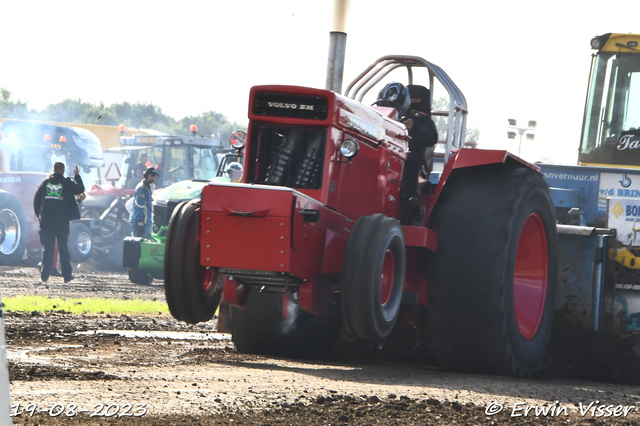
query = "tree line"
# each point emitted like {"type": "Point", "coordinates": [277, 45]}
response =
{"type": "Point", "coordinates": [135, 115]}
{"type": "Point", "coordinates": [150, 116]}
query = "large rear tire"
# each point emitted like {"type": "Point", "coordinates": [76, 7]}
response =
{"type": "Point", "coordinates": [261, 329]}
{"type": "Point", "coordinates": [13, 230]}
{"type": "Point", "coordinates": [373, 277]}
{"type": "Point", "coordinates": [193, 292]}
{"type": "Point", "coordinates": [491, 283]}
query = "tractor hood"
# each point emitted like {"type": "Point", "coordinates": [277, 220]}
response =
{"type": "Point", "coordinates": [184, 190]}
{"type": "Point", "coordinates": [179, 191]}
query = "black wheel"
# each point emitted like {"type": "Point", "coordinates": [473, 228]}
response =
{"type": "Point", "coordinates": [193, 292]}
{"type": "Point", "coordinates": [139, 276]}
{"type": "Point", "coordinates": [491, 283]}
{"type": "Point", "coordinates": [261, 328]}
{"type": "Point", "coordinates": [373, 277]}
{"type": "Point", "coordinates": [13, 230]}
{"type": "Point", "coordinates": [79, 242]}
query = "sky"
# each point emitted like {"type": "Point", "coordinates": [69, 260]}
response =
{"type": "Point", "coordinates": [527, 60]}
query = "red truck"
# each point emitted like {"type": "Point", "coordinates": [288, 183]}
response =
{"type": "Point", "coordinates": [28, 151]}
{"type": "Point", "coordinates": [312, 242]}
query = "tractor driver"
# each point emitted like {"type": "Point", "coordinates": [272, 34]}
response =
{"type": "Point", "coordinates": [421, 128]}
{"type": "Point", "coordinates": [142, 166]}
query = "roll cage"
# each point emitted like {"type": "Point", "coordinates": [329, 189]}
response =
{"type": "Point", "coordinates": [457, 113]}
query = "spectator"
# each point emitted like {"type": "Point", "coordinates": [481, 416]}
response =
{"type": "Point", "coordinates": [55, 205]}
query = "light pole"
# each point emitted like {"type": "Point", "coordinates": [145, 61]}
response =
{"type": "Point", "coordinates": [529, 131]}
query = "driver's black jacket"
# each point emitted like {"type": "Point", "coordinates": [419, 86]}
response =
{"type": "Point", "coordinates": [55, 201]}
{"type": "Point", "coordinates": [423, 133]}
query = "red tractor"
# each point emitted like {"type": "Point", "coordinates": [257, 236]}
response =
{"type": "Point", "coordinates": [311, 243]}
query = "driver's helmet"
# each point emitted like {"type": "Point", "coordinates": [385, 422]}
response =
{"type": "Point", "coordinates": [395, 95]}
{"type": "Point", "coordinates": [235, 171]}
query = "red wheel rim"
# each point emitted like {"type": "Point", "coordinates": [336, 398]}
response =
{"type": "Point", "coordinates": [530, 278]}
{"type": "Point", "coordinates": [386, 281]}
{"type": "Point", "coordinates": [207, 278]}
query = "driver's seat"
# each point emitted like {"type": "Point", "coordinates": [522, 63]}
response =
{"type": "Point", "coordinates": [421, 101]}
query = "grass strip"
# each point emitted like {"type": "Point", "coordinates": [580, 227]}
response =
{"type": "Point", "coordinates": [87, 305]}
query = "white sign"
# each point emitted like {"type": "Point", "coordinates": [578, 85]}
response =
{"type": "Point", "coordinates": [113, 173]}
{"type": "Point", "coordinates": [618, 185]}
{"type": "Point", "coordinates": [623, 215]}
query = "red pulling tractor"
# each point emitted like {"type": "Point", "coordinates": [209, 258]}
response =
{"type": "Point", "coordinates": [311, 242]}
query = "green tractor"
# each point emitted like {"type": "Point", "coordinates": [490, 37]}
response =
{"type": "Point", "coordinates": [144, 258]}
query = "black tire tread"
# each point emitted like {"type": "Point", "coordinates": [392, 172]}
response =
{"type": "Point", "coordinates": [362, 267]}
{"type": "Point", "coordinates": [258, 329]}
{"type": "Point", "coordinates": [172, 269]}
{"type": "Point", "coordinates": [467, 316]}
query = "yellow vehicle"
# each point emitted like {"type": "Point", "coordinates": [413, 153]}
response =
{"type": "Point", "coordinates": [611, 129]}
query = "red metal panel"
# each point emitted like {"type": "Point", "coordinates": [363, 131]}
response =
{"type": "Point", "coordinates": [420, 236]}
{"type": "Point", "coordinates": [335, 247]}
{"type": "Point", "coordinates": [306, 260]}
{"type": "Point", "coordinates": [295, 90]}
{"type": "Point", "coordinates": [256, 243]}
{"type": "Point", "coordinates": [415, 277]}
{"type": "Point", "coordinates": [315, 298]}
{"type": "Point", "coordinates": [360, 192]}
{"type": "Point", "coordinates": [476, 157]}
{"type": "Point", "coordinates": [308, 239]}
{"type": "Point", "coordinates": [235, 293]}
{"type": "Point", "coordinates": [247, 199]}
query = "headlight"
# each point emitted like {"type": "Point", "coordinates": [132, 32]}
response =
{"type": "Point", "coordinates": [349, 148]}
{"type": "Point", "coordinates": [238, 139]}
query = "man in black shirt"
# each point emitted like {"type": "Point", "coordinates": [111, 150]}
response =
{"type": "Point", "coordinates": [423, 134]}
{"type": "Point", "coordinates": [55, 205]}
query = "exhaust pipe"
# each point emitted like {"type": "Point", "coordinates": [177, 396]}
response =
{"type": "Point", "coordinates": [337, 46]}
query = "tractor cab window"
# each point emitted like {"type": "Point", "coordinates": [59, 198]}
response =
{"type": "Point", "coordinates": [30, 158]}
{"type": "Point", "coordinates": [134, 164]}
{"type": "Point", "coordinates": [611, 133]}
{"type": "Point", "coordinates": [288, 156]}
{"type": "Point", "coordinates": [176, 165]}
{"type": "Point", "coordinates": [205, 163]}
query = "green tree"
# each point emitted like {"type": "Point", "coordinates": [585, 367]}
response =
{"type": "Point", "coordinates": [14, 109]}
{"type": "Point", "coordinates": [210, 124]}
{"type": "Point", "coordinates": [472, 134]}
{"type": "Point", "coordinates": [136, 115]}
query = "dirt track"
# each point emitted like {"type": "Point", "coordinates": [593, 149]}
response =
{"type": "Point", "coordinates": [179, 374]}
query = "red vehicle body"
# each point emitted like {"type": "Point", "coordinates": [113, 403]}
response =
{"type": "Point", "coordinates": [300, 257]}
{"type": "Point", "coordinates": [28, 151]}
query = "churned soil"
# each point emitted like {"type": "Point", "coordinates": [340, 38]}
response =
{"type": "Point", "coordinates": [154, 370]}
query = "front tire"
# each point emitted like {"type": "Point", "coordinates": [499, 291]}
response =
{"type": "Point", "coordinates": [193, 291]}
{"type": "Point", "coordinates": [492, 280]}
{"type": "Point", "coordinates": [13, 230]}
{"type": "Point", "coordinates": [373, 277]}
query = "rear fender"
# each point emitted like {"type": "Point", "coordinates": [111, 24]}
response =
{"type": "Point", "coordinates": [466, 157]}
